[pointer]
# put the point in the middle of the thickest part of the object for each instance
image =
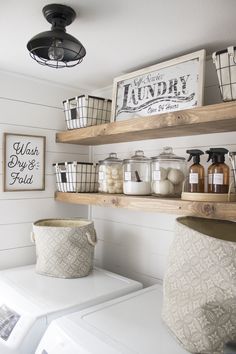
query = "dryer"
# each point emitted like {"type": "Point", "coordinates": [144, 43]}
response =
{"type": "Point", "coordinates": [29, 302]}
{"type": "Point", "coordinates": [129, 325]}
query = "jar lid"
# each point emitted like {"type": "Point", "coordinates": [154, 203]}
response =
{"type": "Point", "coordinates": [138, 157]}
{"type": "Point", "coordinates": [112, 158]}
{"type": "Point", "coordinates": [167, 154]}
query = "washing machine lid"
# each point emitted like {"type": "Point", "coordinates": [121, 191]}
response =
{"type": "Point", "coordinates": [26, 291]}
{"type": "Point", "coordinates": [129, 325]}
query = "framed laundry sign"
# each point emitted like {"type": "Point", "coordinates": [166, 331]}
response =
{"type": "Point", "coordinates": [166, 87]}
{"type": "Point", "coordinates": [24, 162]}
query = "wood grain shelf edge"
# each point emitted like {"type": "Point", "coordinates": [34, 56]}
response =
{"type": "Point", "coordinates": [215, 118]}
{"type": "Point", "coordinates": [226, 210]}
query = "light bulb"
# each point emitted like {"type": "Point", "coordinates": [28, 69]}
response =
{"type": "Point", "coordinates": [56, 52]}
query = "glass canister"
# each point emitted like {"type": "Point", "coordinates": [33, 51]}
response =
{"type": "Point", "coordinates": [110, 175]}
{"type": "Point", "coordinates": [168, 174]}
{"type": "Point", "coordinates": [137, 174]}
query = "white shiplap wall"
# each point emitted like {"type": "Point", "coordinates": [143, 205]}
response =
{"type": "Point", "coordinates": [29, 106]}
{"type": "Point", "coordinates": [134, 243]}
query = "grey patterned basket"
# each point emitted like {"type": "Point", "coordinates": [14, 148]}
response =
{"type": "Point", "coordinates": [64, 247]}
{"type": "Point", "coordinates": [200, 284]}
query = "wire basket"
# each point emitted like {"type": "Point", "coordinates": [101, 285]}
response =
{"type": "Point", "coordinates": [80, 177]}
{"type": "Point", "coordinates": [225, 62]}
{"type": "Point", "coordinates": [84, 111]}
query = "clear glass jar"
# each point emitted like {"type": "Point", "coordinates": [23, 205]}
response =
{"type": "Point", "coordinates": [168, 174]}
{"type": "Point", "coordinates": [137, 174]}
{"type": "Point", "coordinates": [110, 175]}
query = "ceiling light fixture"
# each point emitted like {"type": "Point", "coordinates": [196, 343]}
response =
{"type": "Point", "coordinates": [56, 48]}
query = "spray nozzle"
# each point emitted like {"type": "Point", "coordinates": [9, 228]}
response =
{"type": "Point", "coordinates": [217, 154]}
{"type": "Point", "coordinates": [195, 154]}
{"type": "Point", "coordinates": [210, 155]}
{"type": "Point", "coordinates": [219, 151]}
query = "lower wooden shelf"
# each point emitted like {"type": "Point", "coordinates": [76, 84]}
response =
{"type": "Point", "coordinates": [215, 210]}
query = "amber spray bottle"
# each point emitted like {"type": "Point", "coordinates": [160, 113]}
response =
{"type": "Point", "coordinates": [209, 171]}
{"type": "Point", "coordinates": [218, 171]}
{"type": "Point", "coordinates": [196, 172]}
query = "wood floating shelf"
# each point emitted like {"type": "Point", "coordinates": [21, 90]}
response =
{"type": "Point", "coordinates": [215, 210]}
{"type": "Point", "coordinates": [201, 120]}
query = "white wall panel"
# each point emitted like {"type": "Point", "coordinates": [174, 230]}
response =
{"type": "Point", "coordinates": [17, 257]}
{"type": "Point", "coordinates": [162, 221]}
{"type": "Point", "coordinates": [31, 90]}
{"type": "Point", "coordinates": [15, 235]}
{"type": "Point", "coordinates": [31, 115]}
{"type": "Point", "coordinates": [28, 210]}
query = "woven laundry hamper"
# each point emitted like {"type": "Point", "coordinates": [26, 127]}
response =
{"type": "Point", "coordinates": [64, 247]}
{"type": "Point", "coordinates": [199, 303]}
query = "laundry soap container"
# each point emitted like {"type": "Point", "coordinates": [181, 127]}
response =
{"type": "Point", "coordinates": [64, 247]}
{"type": "Point", "coordinates": [137, 174]}
{"type": "Point", "coordinates": [199, 304]}
{"type": "Point", "coordinates": [168, 174]}
{"type": "Point", "coordinates": [110, 179]}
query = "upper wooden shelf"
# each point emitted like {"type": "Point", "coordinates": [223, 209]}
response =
{"type": "Point", "coordinates": [202, 120]}
{"type": "Point", "coordinates": [219, 210]}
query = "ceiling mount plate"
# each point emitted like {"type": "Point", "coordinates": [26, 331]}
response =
{"type": "Point", "coordinates": [63, 13]}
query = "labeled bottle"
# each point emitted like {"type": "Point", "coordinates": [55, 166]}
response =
{"type": "Point", "coordinates": [196, 172]}
{"type": "Point", "coordinates": [219, 170]}
{"type": "Point", "coordinates": [209, 171]}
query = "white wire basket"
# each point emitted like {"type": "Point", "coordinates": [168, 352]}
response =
{"type": "Point", "coordinates": [225, 62]}
{"type": "Point", "coordinates": [84, 111]}
{"type": "Point", "coordinates": [80, 177]}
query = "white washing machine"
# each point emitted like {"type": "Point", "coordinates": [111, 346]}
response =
{"type": "Point", "coordinates": [29, 302]}
{"type": "Point", "coordinates": [129, 325]}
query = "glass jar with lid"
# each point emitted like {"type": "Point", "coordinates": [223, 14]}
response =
{"type": "Point", "coordinates": [110, 175]}
{"type": "Point", "coordinates": [137, 174]}
{"type": "Point", "coordinates": [168, 173]}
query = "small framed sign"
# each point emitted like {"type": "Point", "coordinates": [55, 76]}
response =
{"type": "Point", "coordinates": [24, 162]}
{"type": "Point", "coordinates": [166, 87]}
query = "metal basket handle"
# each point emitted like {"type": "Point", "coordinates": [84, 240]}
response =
{"type": "Point", "coordinates": [214, 57]}
{"type": "Point", "coordinates": [231, 53]}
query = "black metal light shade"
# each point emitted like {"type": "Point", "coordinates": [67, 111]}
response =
{"type": "Point", "coordinates": [56, 48]}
